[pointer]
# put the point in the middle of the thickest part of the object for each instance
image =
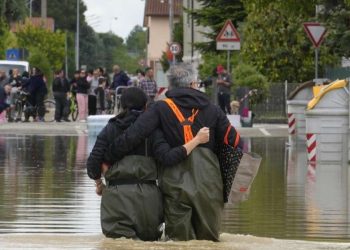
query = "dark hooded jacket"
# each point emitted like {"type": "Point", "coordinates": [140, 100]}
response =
{"type": "Point", "coordinates": [3, 96]}
{"type": "Point", "coordinates": [131, 206]}
{"type": "Point", "coordinates": [156, 144]}
{"type": "Point", "coordinates": [161, 116]}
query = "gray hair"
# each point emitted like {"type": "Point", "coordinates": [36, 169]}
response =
{"type": "Point", "coordinates": [181, 75]}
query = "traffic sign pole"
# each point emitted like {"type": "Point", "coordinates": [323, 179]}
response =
{"type": "Point", "coordinates": [316, 33]}
{"type": "Point", "coordinates": [316, 63]}
{"type": "Point", "coordinates": [228, 60]}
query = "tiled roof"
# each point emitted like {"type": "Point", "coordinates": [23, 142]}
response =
{"type": "Point", "coordinates": [161, 7]}
{"type": "Point", "coordinates": [49, 24]}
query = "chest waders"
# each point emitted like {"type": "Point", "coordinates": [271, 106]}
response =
{"type": "Point", "coordinates": [192, 191]}
{"type": "Point", "coordinates": [131, 204]}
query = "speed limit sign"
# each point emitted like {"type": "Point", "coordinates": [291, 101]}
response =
{"type": "Point", "coordinates": [175, 48]}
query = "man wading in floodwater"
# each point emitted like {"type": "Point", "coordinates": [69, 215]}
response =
{"type": "Point", "coordinates": [192, 190]}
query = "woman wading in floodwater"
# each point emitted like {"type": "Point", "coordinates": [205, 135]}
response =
{"type": "Point", "coordinates": [131, 204]}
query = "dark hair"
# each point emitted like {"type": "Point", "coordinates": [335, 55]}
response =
{"type": "Point", "coordinates": [57, 72]}
{"type": "Point", "coordinates": [90, 71]}
{"type": "Point", "coordinates": [133, 98]}
{"type": "Point", "coordinates": [101, 80]}
{"type": "Point", "coordinates": [101, 70]}
{"type": "Point", "coordinates": [25, 74]}
{"type": "Point", "coordinates": [77, 72]}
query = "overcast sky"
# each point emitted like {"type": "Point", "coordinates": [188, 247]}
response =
{"type": "Point", "coordinates": [119, 16]}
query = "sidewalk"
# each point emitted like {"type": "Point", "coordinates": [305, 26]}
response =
{"type": "Point", "coordinates": [78, 128]}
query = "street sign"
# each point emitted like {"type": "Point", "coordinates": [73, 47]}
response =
{"type": "Point", "coordinates": [228, 38]}
{"type": "Point", "coordinates": [13, 54]}
{"type": "Point", "coordinates": [315, 32]}
{"type": "Point", "coordinates": [175, 48]}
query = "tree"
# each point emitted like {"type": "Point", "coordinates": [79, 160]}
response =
{"type": "Point", "coordinates": [50, 44]}
{"type": "Point", "coordinates": [213, 14]}
{"type": "Point", "coordinates": [274, 41]}
{"type": "Point", "coordinates": [336, 17]}
{"type": "Point", "coordinates": [13, 10]}
{"type": "Point", "coordinates": [136, 42]}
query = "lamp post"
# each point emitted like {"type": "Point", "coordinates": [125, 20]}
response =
{"type": "Point", "coordinates": [77, 38]}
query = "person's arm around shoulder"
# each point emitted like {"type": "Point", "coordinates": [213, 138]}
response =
{"type": "Point", "coordinates": [168, 156]}
{"type": "Point", "coordinates": [134, 135]}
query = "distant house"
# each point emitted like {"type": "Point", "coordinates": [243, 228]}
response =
{"type": "Point", "coordinates": [46, 23]}
{"type": "Point", "coordinates": [156, 19]}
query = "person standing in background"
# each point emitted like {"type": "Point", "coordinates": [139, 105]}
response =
{"type": "Point", "coordinates": [4, 103]}
{"type": "Point", "coordinates": [100, 95]}
{"type": "Point", "coordinates": [3, 78]}
{"type": "Point", "coordinates": [37, 89]}
{"type": "Point", "coordinates": [92, 93]}
{"type": "Point", "coordinates": [60, 89]}
{"type": "Point", "coordinates": [148, 84]}
{"type": "Point", "coordinates": [224, 83]}
{"type": "Point", "coordinates": [120, 78]}
{"type": "Point", "coordinates": [82, 96]}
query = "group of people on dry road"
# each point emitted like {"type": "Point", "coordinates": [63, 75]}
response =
{"type": "Point", "coordinates": [159, 162]}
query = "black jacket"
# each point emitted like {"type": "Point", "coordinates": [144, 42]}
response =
{"type": "Point", "coordinates": [60, 85]}
{"type": "Point", "coordinates": [3, 96]}
{"type": "Point", "coordinates": [156, 145]}
{"type": "Point", "coordinates": [82, 86]}
{"type": "Point", "coordinates": [161, 116]}
{"type": "Point", "coordinates": [120, 79]}
{"type": "Point", "coordinates": [37, 85]}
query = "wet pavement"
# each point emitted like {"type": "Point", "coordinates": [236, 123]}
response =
{"type": "Point", "coordinates": [45, 192]}
{"type": "Point", "coordinates": [78, 128]}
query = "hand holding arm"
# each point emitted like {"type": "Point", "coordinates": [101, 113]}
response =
{"type": "Point", "coordinates": [201, 138]}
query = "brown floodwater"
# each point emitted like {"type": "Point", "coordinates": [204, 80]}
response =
{"type": "Point", "coordinates": [44, 189]}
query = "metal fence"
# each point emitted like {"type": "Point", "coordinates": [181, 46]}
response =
{"type": "Point", "coordinates": [274, 107]}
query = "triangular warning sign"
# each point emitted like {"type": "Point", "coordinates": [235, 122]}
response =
{"type": "Point", "coordinates": [315, 32]}
{"type": "Point", "coordinates": [228, 33]}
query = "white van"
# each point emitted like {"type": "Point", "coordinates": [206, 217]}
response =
{"type": "Point", "coordinates": [6, 65]}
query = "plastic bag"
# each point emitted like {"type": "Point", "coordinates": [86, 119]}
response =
{"type": "Point", "coordinates": [246, 172]}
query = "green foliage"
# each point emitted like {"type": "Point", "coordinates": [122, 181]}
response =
{"type": "Point", "coordinates": [136, 42]}
{"type": "Point", "coordinates": [277, 45]}
{"type": "Point", "coordinates": [50, 44]}
{"type": "Point", "coordinates": [38, 59]}
{"type": "Point", "coordinates": [337, 20]}
{"type": "Point", "coordinates": [247, 76]}
{"type": "Point", "coordinates": [213, 14]}
{"type": "Point", "coordinates": [63, 11]}
{"type": "Point", "coordinates": [13, 10]}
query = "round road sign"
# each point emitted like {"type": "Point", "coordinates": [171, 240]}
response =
{"type": "Point", "coordinates": [175, 48]}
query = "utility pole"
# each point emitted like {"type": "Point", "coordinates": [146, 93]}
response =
{"type": "Point", "coordinates": [171, 19]}
{"type": "Point", "coordinates": [171, 25]}
{"type": "Point", "coordinates": [30, 8]}
{"type": "Point", "coordinates": [43, 9]}
{"type": "Point", "coordinates": [77, 39]}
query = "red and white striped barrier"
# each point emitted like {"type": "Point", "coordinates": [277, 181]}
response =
{"type": "Point", "coordinates": [311, 147]}
{"type": "Point", "coordinates": [291, 124]}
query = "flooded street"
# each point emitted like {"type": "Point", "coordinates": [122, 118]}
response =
{"type": "Point", "coordinates": [44, 189]}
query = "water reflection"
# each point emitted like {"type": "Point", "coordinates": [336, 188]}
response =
{"type": "Point", "coordinates": [44, 188]}
{"type": "Point", "coordinates": [293, 199]}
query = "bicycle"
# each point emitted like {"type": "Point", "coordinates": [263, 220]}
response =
{"type": "Point", "coordinates": [21, 105]}
{"type": "Point", "coordinates": [110, 102]}
{"type": "Point", "coordinates": [73, 106]}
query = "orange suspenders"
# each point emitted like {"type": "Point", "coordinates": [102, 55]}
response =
{"type": "Point", "coordinates": [186, 123]}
